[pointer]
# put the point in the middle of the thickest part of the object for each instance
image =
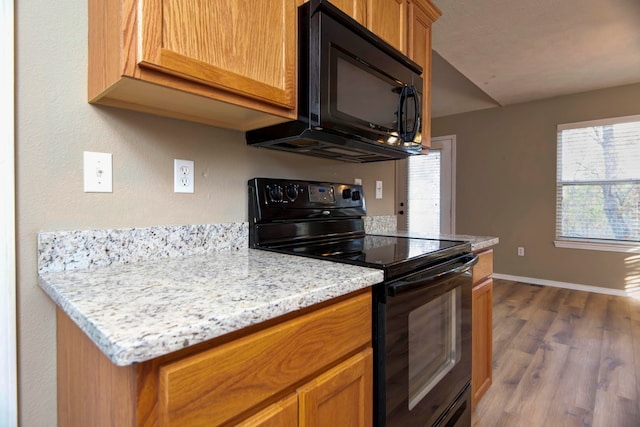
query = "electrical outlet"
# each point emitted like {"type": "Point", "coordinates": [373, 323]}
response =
{"type": "Point", "coordinates": [183, 176]}
{"type": "Point", "coordinates": [520, 251]}
{"type": "Point", "coordinates": [378, 189]}
{"type": "Point", "coordinates": [98, 173]}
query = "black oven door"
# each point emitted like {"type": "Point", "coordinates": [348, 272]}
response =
{"type": "Point", "coordinates": [423, 347]}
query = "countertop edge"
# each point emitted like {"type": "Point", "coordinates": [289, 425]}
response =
{"type": "Point", "coordinates": [159, 343]}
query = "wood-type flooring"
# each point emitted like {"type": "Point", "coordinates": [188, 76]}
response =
{"type": "Point", "coordinates": [562, 358]}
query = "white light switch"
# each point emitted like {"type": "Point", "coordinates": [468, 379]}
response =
{"type": "Point", "coordinates": [98, 173]}
{"type": "Point", "coordinates": [378, 189]}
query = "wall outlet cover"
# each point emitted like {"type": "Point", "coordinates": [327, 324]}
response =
{"type": "Point", "coordinates": [183, 176]}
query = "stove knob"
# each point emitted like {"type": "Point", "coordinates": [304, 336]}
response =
{"type": "Point", "coordinates": [346, 193]}
{"type": "Point", "coordinates": [275, 193]}
{"type": "Point", "coordinates": [291, 191]}
{"type": "Point", "coordinates": [355, 195]}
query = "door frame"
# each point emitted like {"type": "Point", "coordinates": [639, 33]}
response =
{"type": "Point", "coordinates": [8, 325]}
{"type": "Point", "coordinates": [447, 145]}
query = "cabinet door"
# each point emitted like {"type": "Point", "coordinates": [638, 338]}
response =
{"type": "Point", "coordinates": [247, 48]}
{"type": "Point", "coordinates": [217, 385]}
{"type": "Point", "coordinates": [354, 8]}
{"type": "Point", "coordinates": [341, 396]}
{"type": "Point", "coordinates": [482, 340]}
{"type": "Point", "coordinates": [388, 20]}
{"type": "Point", "coordinates": [280, 414]}
{"type": "Point", "coordinates": [421, 17]}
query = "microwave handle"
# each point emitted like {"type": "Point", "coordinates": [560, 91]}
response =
{"type": "Point", "coordinates": [407, 92]}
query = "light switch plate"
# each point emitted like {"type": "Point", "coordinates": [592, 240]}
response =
{"type": "Point", "coordinates": [98, 172]}
{"type": "Point", "coordinates": [378, 189]}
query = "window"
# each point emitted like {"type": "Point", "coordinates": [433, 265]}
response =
{"type": "Point", "coordinates": [423, 211]}
{"type": "Point", "coordinates": [598, 184]}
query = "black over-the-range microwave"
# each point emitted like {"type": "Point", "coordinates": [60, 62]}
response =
{"type": "Point", "coordinates": [359, 99]}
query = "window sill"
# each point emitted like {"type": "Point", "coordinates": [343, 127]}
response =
{"type": "Point", "coordinates": [598, 246]}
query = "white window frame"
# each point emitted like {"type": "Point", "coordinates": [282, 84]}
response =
{"type": "Point", "coordinates": [585, 243]}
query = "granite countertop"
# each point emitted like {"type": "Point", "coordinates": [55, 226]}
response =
{"type": "Point", "coordinates": [139, 311]}
{"type": "Point", "coordinates": [477, 242]}
{"type": "Point", "coordinates": [145, 292]}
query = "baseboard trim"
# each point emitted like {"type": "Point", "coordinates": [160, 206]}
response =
{"type": "Point", "coordinates": [555, 284]}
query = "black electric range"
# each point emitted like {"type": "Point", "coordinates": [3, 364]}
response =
{"type": "Point", "coordinates": [324, 220]}
{"type": "Point", "coordinates": [421, 311]}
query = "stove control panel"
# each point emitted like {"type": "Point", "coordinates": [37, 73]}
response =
{"type": "Point", "coordinates": [307, 197]}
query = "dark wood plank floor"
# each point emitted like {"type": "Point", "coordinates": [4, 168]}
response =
{"type": "Point", "coordinates": [562, 358]}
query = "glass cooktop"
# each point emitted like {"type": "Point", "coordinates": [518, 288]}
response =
{"type": "Point", "coordinates": [386, 252]}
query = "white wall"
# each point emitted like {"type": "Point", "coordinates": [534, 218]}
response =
{"type": "Point", "coordinates": [55, 125]}
{"type": "Point", "coordinates": [8, 369]}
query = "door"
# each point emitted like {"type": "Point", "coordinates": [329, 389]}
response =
{"type": "Point", "coordinates": [354, 8]}
{"type": "Point", "coordinates": [341, 396]}
{"type": "Point", "coordinates": [247, 48]}
{"type": "Point", "coordinates": [388, 20]}
{"type": "Point", "coordinates": [423, 331]}
{"type": "Point", "coordinates": [8, 346]}
{"type": "Point", "coordinates": [280, 414]}
{"type": "Point", "coordinates": [425, 189]}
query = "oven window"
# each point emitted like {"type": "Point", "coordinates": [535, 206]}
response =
{"type": "Point", "coordinates": [434, 343]}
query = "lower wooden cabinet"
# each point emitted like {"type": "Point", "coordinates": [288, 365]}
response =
{"type": "Point", "coordinates": [303, 371]}
{"type": "Point", "coordinates": [482, 354]}
{"type": "Point", "coordinates": [280, 414]}
{"type": "Point", "coordinates": [341, 396]}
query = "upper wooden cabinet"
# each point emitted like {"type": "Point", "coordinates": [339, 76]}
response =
{"type": "Point", "coordinates": [385, 18]}
{"type": "Point", "coordinates": [222, 62]}
{"type": "Point", "coordinates": [357, 9]}
{"type": "Point", "coordinates": [226, 63]}
{"type": "Point", "coordinates": [422, 15]}
{"type": "Point", "coordinates": [388, 20]}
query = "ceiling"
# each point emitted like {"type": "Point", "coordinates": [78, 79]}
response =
{"type": "Point", "coordinates": [489, 53]}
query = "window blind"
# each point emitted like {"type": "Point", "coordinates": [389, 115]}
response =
{"type": "Point", "coordinates": [423, 193]}
{"type": "Point", "coordinates": [598, 180]}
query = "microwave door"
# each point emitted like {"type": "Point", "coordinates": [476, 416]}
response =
{"type": "Point", "coordinates": [364, 98]}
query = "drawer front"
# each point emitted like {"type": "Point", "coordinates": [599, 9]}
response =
{"type": "Point", "coordinates": [216, 385]}
{"type": "Point", "coordinates": [484, 267]}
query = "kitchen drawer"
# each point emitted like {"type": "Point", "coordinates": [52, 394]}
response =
{"type": "Point", "coordinates": [484, 267]}
{"type": "Point", "coordinates": [217, 385]}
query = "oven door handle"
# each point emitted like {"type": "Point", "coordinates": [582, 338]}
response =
{"type": "Point", "coordinates": [429, 277]}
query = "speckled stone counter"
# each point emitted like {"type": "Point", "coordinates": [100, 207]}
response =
{"type": "Point", "coordinates": [143, 293]}
{"type": "Point", "coordinates": [477, 242]}
{"type": "Point", "coordinates": [138, 310]}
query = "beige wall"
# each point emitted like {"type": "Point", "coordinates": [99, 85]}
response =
{"type": "Point", "coordinates": [506, 171]}
{"type": "Point", "coordinates": [55, 125]}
